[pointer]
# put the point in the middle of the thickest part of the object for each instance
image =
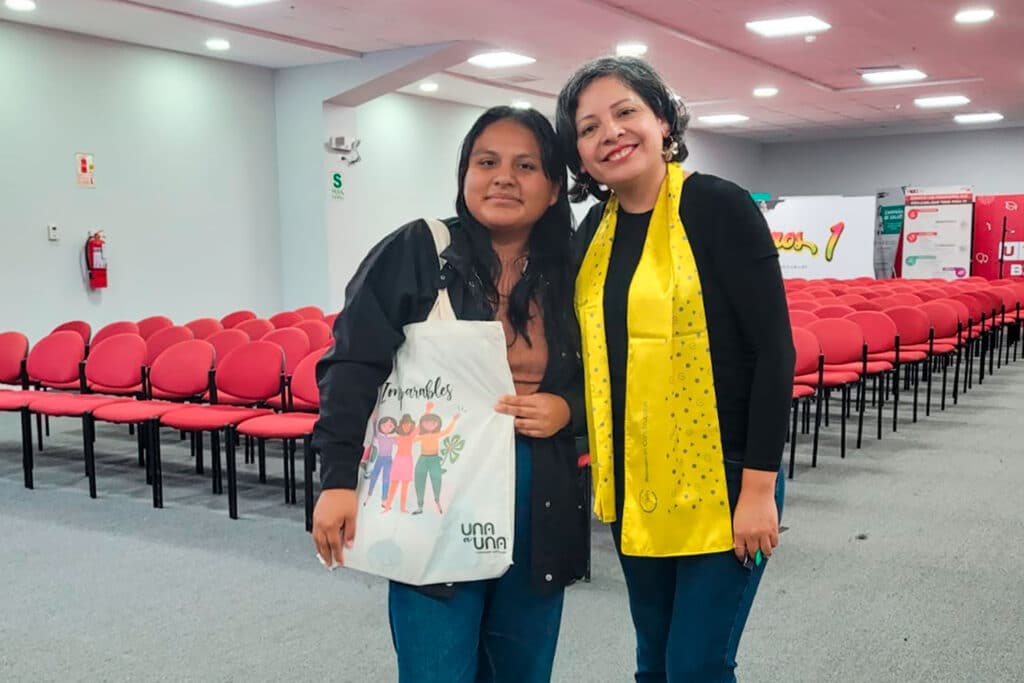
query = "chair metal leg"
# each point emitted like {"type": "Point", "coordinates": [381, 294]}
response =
{"type": "Point", "coordinates": [307, 478]}
{"type": "Point", "coordinates": [27, 463]}
{"type": "Point", "coordinates": [928, 391]}
{"type": "Point", "coordinates": [914, 370]}
{"type": "Point", "coordinates": [153, 431]}
{"type": "Point", "coordinates": [287, 484]}
{"type": "Point", "coordinates": [39, 429]}
{"type": "Point", "coordinates": [844, 394]}
{"type": "Point", "coordinates": [230, 440]}
{"type": "Point", "coordinates": [218, 483]}
{"type": "Point", "coordinates": [90, 453]}
{"type": "Point", "coordinates": [792, 438]}
{"type": "Point", "coordinates": [291, 470]}
{"type": "Point", "coordinates": [880, 383]}
{"type": "Point", "coordinates": [817, 427]}
{"type": "Point", "coordinates": [262, 451]}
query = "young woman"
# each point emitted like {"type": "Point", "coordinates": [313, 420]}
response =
{"type": "Point", "coordinates": [509, 260]}
{"type": "Point", "coordinates": [688, 359]}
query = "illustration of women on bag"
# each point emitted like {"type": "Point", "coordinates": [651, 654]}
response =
{"type": "Point", "coordinates": [404, 439]}
{"type": "Point", "coordinates": [429, 463]}
{"type": "Point", "coordinates": [384, 446]}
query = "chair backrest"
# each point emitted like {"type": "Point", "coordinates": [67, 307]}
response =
{"type": "Point", "coordinates": [203, 328]}
{"type": "Point", "coordinates": [56, 357]}
{"type": "Point", "coordinates": [226, 341]}
{"type": "Point", "coordinates": [801, 318]}
{"type": "Point", "coordinates": [117, 361]}
{"type": "Point", "coordinates": [803, 305]}
{"type": "Point", "coordinates": [878, 329]}
{"type": "Point", "coordinates": [975, 307]}
{"type": "Point", "coordinates": [847, 299]}
{"type": "Point", "coordinates": [115, 328]}
{"type": "Point", "coordinates": [329, 319]}
{"type": "Point", "coordinates": [992, 301]}
{"type": "Point", "coordinates": [1009, 295]}
{"type": "Point", "coordinates": [834, 311]}
{"type": "Point", "coordinates": [79, 327]}
{"type": "Point", "coordinates": [164, 339]}
{"type": "Point", "coordinates": [911, 323]}
{"type": "Point", "coordinates": [799, 295]}
{"type": "Point", "coordinates": [254, 372]}
{"type": "Point", "coordinates": [318, 331]}
{"type": "Point", "coordinates": [285, 319]}
{"type": "Point", "coordinates": [295, 344]}
{"type": "Point", "coordinates": [153, 324]}
{"type": "Point", "coordinates": [930, 293]}
{"type": "Point", "coordinates": [943, 318]}
{"type": "Point", "coordinates": [232, 319]}
{"type": "Point", "coordinates": [310, 313]}
{"type": "Point", "coordinates": [807, 351]}
{"type": "Point", "coordinates": [13, 352]}
{"type": "Point", "coordinates": [183, 370]}
{"type": "Point", "coordinates": [865, 306]}
{"type": "Point", "coordinates": [255, 328]}
{"type": "Point", "coordinates": [304, 386]}
{"type": "Point", "coordinates": [905, 299]}
{"type": "Point", "coordinates": [962, 312]}
{"type": "Point", "coordinates": [841, 340]}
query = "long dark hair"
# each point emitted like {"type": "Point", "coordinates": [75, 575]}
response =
{"type": "Point", "coordinates": [548, 277]}
{"type": "Point", "coordinates": [640, 77]}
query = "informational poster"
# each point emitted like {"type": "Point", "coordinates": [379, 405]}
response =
{"type": "Point", "coordinates": [888, 226]}
{"type": "Point", "coordinates": [998, 236]}
{"type": "Point", "coordinates": [819, 237]}
{"type": "Point", "coordinates": [86, 170]}
{"type": "Point", "coordinates": [937, 229]}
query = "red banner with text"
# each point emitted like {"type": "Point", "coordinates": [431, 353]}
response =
{"type": "Point", "coordinates": [995, 249]}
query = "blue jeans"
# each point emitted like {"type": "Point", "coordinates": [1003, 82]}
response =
{"type": "Point", "coordinates": [689, 612]}
{"type": "Point", "coordinates": [496, 631]}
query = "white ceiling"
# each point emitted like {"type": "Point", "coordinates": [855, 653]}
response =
{"type": "Point", "coordinates": [702, 47]}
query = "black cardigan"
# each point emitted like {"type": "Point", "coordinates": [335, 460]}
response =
{"type": "Point", "coordinates": [751, 341]}
{"type": "Point", "coordinates": [396, 285]}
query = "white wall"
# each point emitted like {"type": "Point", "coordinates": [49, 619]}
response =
{"type": "Point", "coordinates": [410, 155]}
{"type": "Point", "coordinates": [186, 185]}
{"type": "Point", "coordinates": [992, 161]}
{"type": "Point", "coordinates": [731, 158]}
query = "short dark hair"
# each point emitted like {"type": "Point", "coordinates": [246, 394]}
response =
{"type": "Point", "coordinates": [640, 77]}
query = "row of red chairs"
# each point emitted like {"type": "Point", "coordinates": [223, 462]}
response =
{"type": "Point", "coordinates": [842, 341]}
{"type": "Point", "coordinates": [225, 384]}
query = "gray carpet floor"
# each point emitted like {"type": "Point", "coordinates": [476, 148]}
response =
{"type": "Point", "coordinates": [900, 563]}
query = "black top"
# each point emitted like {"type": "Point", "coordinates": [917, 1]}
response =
{"type": "Point", "coordinates": [395, 285]}
{"type": "Point", "coordinates": [751, 342]}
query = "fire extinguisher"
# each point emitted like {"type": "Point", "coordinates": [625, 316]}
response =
{"type": "Point", "coordinates": [95, 261]}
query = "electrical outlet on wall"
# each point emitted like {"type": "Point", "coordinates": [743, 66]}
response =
{"type": "Point", "coordinates": [51, 232]}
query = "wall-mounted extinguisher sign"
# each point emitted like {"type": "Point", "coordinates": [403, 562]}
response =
{"type": "Point", "coordinates": [95, 261]}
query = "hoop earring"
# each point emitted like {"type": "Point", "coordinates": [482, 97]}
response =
{"type": "Point", "coordinates": [668, 152]}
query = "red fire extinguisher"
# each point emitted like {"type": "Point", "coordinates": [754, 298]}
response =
{"type": "Point", "coordinates": [95, 262]}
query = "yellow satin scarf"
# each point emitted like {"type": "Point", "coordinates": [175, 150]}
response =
{"type": "Point", "coordinates": [676, 501]}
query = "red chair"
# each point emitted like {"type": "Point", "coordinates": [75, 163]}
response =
{"type": "Point", "coordinates": [318, 331]}
{"type": "Point", "coordinates": [232, 319]}
{"type": "Point", "coordinates": [808, 354]}
{"type": "Point", "coordinates": [803, 305]}
{"type": "Point", "coordinates": [295, 344]}
{"type": "Point", "coordinates": [915, 332]}
{"type": "Point", "coordinates": [180, 373]}
{"type": "Point", "coordinates": [119, 327]}
{"type": "Point", "coordinates": [866, 306]}
{"type": "Point", "coordinates": [834, 311]}
{"type": "Point", "coordinates": [153, 324]}
{"type": "Point", "coordinates": [285, 319]}
{"type": "Point", "coordinates": [329, 319]}
{"type": "Point", "coordinates": [13, 354]}
{"type": "Point", "coordinates": [254, 372]}
{"type": "Point", "coordinates": [165, 339]}
{"type": "Point", "coordinates": [842, 346]}
{"type": "Point", "coordinates": [256, 328]}
{"type": "Point", "coordinates": [226, 341]}
{"type": "Point", "coordinates": [310, 313]}
{"type": "Point", "coordinates": [801, 318]}
{"type": "Point", "coordinates": [79, 327]}
{"type": "Point", "coordinates": [116, 363]}
{"type": "Point", "coordinates": [946, 332]}
{"type": "Point", "coordinates": [289, 427]}
{"type": "Point", "coordinates": [204, 328]}
{"type": "Point", "coordinates": [850, 298]}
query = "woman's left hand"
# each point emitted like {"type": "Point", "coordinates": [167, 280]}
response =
{"type": "Point", "coordinates": [755, 523]}
{"type": "Point", "coordinates": [537, 415]}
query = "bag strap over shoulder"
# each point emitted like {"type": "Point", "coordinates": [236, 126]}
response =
{"type": "Point", "coordinates": [442, 309]}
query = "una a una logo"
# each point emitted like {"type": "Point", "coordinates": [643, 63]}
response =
{"type": "Point", "coordinates": [483, 537]}
{"type": "Point", "coordinates": [337, 191]}
{"type": "Point", "coordinates": [795, 242]}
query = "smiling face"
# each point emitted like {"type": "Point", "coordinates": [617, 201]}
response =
{"type": "Point", "coordinates": [430, 424]}
{"type": "Point", "coordinates": [386, 425]}
{"type": "Point", "coordinates": [618, 136]}
{"type": "Point", "coordinates": [505, 186]}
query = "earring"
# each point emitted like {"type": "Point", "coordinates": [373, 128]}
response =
{"type": "Point", "coordinates": [585, 182]}
{"type": "Point", "coordinates": [668, 153]}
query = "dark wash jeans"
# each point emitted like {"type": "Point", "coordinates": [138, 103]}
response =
{"type": "Point", "coordinates": [689, 612]}
{"type": "Point", "coordinates": [495, 631]}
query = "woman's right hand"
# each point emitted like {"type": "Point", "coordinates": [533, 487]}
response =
{"type": "Point", "coordinates": [334, 518]}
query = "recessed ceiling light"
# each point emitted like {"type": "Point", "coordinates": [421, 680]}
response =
{"type": "Point", "coordinates": [792, 26]}
{"type": "Point", "coordinates": [974, 15]}
{"type": "Point", "coordinates": [429, 86]}
{"type": "Point", "coordinates": [498, 60]}
{"type": "Point", "coordinates": [988, 117]}
{"type": "Point", "coordinates": [242, 3]}
{"type": "Point", "coordinates": [942, 101]}
{"type": "Point", "coordinates": [883, 76]}
{"type": "Point", "coordinates": [766, 91]}
{"type": "Point", "coordinates": [631, 49]}
{"type": "Point", "coordinates": [20, 5]}
{"type": "Point", "coordinates": [723, 119]}
{"type": "Point", "coordinates": [521, 104]}
{"type": "Point", "coordinates": [218, 44]}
